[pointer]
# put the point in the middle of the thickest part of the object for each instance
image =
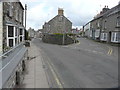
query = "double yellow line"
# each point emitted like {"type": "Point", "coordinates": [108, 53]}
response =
{"type": "Point", "coordinates": [110, 51]}
{"type": "Point", "coordinates": [55, 76]}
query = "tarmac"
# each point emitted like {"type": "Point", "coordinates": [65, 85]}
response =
{"type": "Point", "coordinates": [35, 76]}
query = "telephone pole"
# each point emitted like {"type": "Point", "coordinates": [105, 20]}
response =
{"type": "Point", "coordinates": [25, 14]}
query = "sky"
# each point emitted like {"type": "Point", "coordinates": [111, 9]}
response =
{"type": "Point", "coordinates": [79, 12]}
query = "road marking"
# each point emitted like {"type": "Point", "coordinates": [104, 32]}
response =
{"type": "Point", "coordinates": [55, 75]}
{"type": "Point", "coordinates": [110, 51]}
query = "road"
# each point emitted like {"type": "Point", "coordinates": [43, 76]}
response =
{"type": "Point", "coordinates": [87, 64]}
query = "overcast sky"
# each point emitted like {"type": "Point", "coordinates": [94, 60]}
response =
{"type": "Point", "coordinates": [78, 11]}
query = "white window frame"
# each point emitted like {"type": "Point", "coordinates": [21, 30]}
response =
{"type": "Point", "coordinates": [104, 36]}
{"type": "Point", "coordinates": [11, 37]}
{"type": "Point", "coordinates": [21, 35]}
{"type": "Point", "coordinates": [97, 33]}
{"type": "Point", "coordinates": [114, 39]}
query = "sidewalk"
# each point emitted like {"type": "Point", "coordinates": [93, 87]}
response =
{"type": "Point", "coordinates": [35, 76]}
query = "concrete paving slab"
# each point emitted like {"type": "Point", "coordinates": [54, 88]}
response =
{"type": "Point", "coordinates": [35, 76]}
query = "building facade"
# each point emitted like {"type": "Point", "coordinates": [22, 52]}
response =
{"type": "Point", "coordinates": [59, 24]}
{"type": "Point", "coordinates": [31, 33]}
{"type": "Point", "coordinates": [13, 53]}
{"type": "Point", "coordinates": [105, 26]}
{"type": "Point", "coordinates": [11, 23]}
{"type": "Point", "coordinates": [87, 30]}
{"type": "Point", "coordinates": [111, 25]}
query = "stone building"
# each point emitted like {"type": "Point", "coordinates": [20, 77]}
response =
{"type": "Point", "coordinates": [11, 25]}
{"type": "Point", "coordinates": [110, 30]}
{"type": "Point", "coordinates": [59, 24]}
{"type": "Point", "coordinates": [13, 53]}
{"type": "Point", "coordinates": [31, 33]}
{"type": "Point", "coordinates": [106, 25]}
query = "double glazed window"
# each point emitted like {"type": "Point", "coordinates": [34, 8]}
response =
{"type": "Point", "coordinates": [104, 36]}
{"type": "Point", "coordinates": [115, 37]}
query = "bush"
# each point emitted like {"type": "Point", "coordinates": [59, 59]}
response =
{"type": "Point", "coordinates": [57, 34]}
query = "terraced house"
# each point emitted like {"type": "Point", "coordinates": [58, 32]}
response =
{"type": "Point", "coordinates": [111, 25]}
{"type": "Point", "coordinates": [13, 53]}
{"type": "Point", "coordinates": [105, 26]}
{"type": "Point", "coordinates": [11, 25]}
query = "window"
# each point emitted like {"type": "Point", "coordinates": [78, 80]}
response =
{"type": "Point", "coordinates": [118, 36]}
{"type": "Point", "coordinates": [98, 24]}
{"type": "Point", "coordinates": [20, 15]}
{"type": "Point", "coordinates": [115, 37]}
{"type": "Point", "coordinates": [10, 42]}
{"type": "Point", "coordinates": [16, 31]}
{"type": "Point", "coordinates": [105, 24]}
{"type": "Point", "coordinates": [104, 36]}
{"type": "Point", "coordinates": [20, 39]}
{"type": "Point", "coordinates": [10, 31]}
{"type": "Point", "coordinates": [16, 14]}
{"type": "Point", "coordinates": [21, 32]}
{"type": "Point", "coordinates": [118, 21]}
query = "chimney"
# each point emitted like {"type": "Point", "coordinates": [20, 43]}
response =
{"type": "Point", "coordinates": [60, 11]}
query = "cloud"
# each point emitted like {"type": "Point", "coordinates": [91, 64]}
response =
{"type": "Point", "coordinates": [78, 11]}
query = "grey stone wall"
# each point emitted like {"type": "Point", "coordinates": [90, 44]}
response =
{"type": "Point", "coordinates": [59, 24]}
{"type": "Point", "coordinates": [15, 17]}
{"type": "Point", "coordinates": [57, 39]}
{"type": "Point", "coordinates": [1, 27]}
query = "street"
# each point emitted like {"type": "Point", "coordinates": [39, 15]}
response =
{"type": "Point", "coordinates": [87, 64]}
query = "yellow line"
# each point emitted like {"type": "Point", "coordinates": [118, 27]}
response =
{"type": "Point", "coordinates": [55, 76]}
{"type": "Point", "coordinates": [110, 51]}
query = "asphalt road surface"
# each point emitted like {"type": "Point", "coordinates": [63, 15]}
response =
{"type": "Point", "coordinates": [87, 64]}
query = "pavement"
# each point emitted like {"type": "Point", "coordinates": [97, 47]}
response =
{"type": "Point", "coordinates": [35, 76]}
